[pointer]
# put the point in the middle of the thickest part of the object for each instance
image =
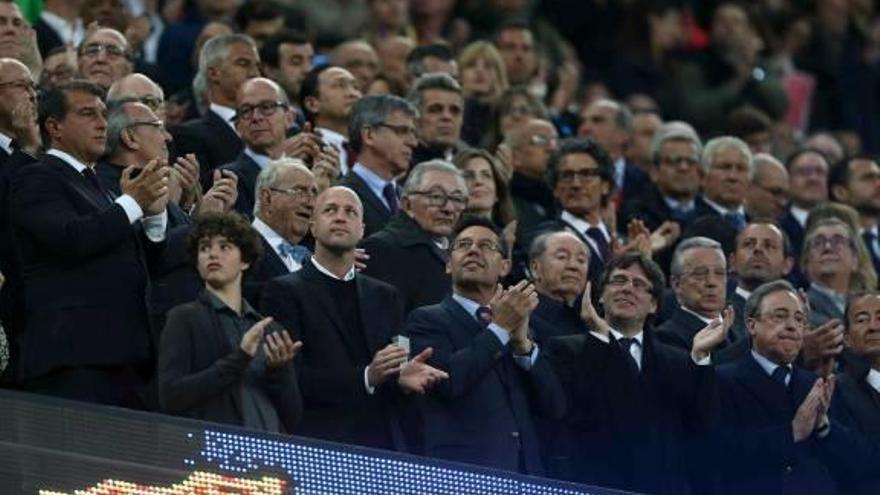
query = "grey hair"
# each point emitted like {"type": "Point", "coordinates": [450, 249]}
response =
{"type": "Point", "coordinates": [216, 49]}
{"type": "Point", "coordinates": [414, 181]}
{"type": "Point", "coordinates": [118, 120]}
{"type": "Point", "coordinates": [269, 175]}
{"type": "Point", "coordinates": [433, 80]}
{"type": "Point", "coordinates": [371, 111]}
{"type": "Point", "coordinates": [200, 92]}
{"type": "Point", "coordinates": [539, 245]}
{"type": "Point", "coordinates": [753, 303]}
{"type": "Point", "coordinates": [675, 130]}
{"type": "Point", "coordinates": [676, 269]}
{"type": "Point", "coordinates": [721, 143]}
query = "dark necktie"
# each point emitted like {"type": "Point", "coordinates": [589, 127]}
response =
{"type": "Point", "coordinates": [736, 219]}
{"type": "Point", "coordinates": [92, 179]}
{"type": "Point", "coordinates": [870, 239]}
{"type": "Point", "coordinates": [350, 155]}
{"type": "Point", "coordinates": [484, 316]}
{"type": "Point", "coordinates": [780, 374]}
{"type": "Point", "coordinates": [626, 344]}
{"type": "Point", "coordinates": [389, 192]}
{"type": "Point", "coordinates": [595, 233]}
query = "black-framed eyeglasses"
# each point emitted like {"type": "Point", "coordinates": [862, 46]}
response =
{"type": "Point", "coordinates": [266, 109]}
{"type": "Point", "coordinates": [23, 85]}
{"type": "Point", "coordinates": [95, 49]}
{"type": "Point", "coordinates": [158, 124]}
{"type": "Point", "coordinates": [403, 131]}
{"type": "Point", "coordinates": [620, 281]}
{"type": "Point", "coordinates": [153, 102]}
{"type": "Point", "coordinates": [439, 199]}
{"type": "Point", "coordinates": [297, 191]}
{"type": "Point", "coordinates": [484, 245]}
{"type": "Point", "coordinates": [585, 175]}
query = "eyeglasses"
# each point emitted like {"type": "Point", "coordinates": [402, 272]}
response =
{"type": "Point", "coordinates": [158, 124]}
{"type": "Point", "coordinates": [439, 199]}
{"type": "Point", "coordinates": [403, 131]}
{"type": "Point", "coordinates": [484, 245]}
{"type": "Point", "coordinates": [95, 49]}
{"type": "Point", "coordinates": [782, 316]}
{"type": "Point", "coordinates": [620, 281]}
{"type": "Point", "coordinates": [678, 160]}
{"type": "Point", "coordinates": [585, 175]}
{"type": "Point", "coordinates": [153, 102]}
{"type": "Point", "coordinates": [703, 274]}
{"type": "Point", "coordinates": [539, 140]}
{"type": "Point", "coordinates": [266, 109]}
{"type": "Point", "coordinates": [836, 242]}
{"type": "Point", "coordinates": [297, 191]}
{"type": "Point", "coordinates": [23, 85]}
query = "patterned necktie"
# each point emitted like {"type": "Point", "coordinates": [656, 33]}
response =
{"type": "Point", "coordinates": [780, 374]}
{"type": "Point", "coordinates": [389, 192]}
{"type": "Point", "coordinates": [296, 252]}
{"type": "Point", "coordinates": [484, 316]}
{"type": "Point", "coordinates": [595, 233]}
{"type": "Point", "coordinates": [350, 155]}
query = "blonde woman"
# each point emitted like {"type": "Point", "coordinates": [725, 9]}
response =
{"type": "Point", "coordinates": [483, 81]}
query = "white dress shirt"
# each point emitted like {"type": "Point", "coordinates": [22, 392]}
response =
{"type": "Point", "coordinates": [873, 379]}
{"type": "Point", "coordinates": [769, 366]}
{"type": "Point", "coordinates": [471, 306]}
{"type": "Point", "coordinates": [275, 240]}
{"type": "Point", "coordinates": [71, 34]}
{"type": "Point", "coordinates": [581, 226]}
{"type": "Point", "coordinates": [333, 138]}
{"type": "Point", "coordinates": [226, 114]}
{"type": "Point", "coordinates": [6, 143]}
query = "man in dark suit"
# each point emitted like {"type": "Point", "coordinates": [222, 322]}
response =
{"type": "Point", "coordinates": [699, 280]}
{"type": "Point", "coordinates": [350, 373]}
{"type": "Point", "coordinates": [855, 181]}
{"type": "Point", "coordinates": [498, 378]}
{"type": "Point", "coordinates": [410, 252]}
{"type": "Point", "coordinates": [262, 117]}
{"type": "Point", "coordinates": [774, 426]}
{"type": "Point", "coordinates": [286, 192]}
{"type": "Point", "coordinates": [727, 172]}
{"type": "Point", "coordinates": [808, 187]}
{"type": "Point", "coordinates": [59, 24]}
{"type": "Point", "coordinates": [382, 133]}
{"type": "Point", "coordinates": [531, 146]}
{"type": "Point", "coordinates": [558, 267]}
{"type": "Point", "coordinates": [91, 340]}
{"type": "Point", "coordinates": [439, 101]}
{"type": "Point", "coordinates": [636, 407]}
{"type": "Point", "coordinates": [220, 360]}
{"type": "Point", "coordinates": [225, 62]}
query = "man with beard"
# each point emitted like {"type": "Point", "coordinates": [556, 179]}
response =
{"type": "Point", "coordinates": [856, 182]}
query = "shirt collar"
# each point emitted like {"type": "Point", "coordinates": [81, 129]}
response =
{"type": "Point", "coordinates": [226, 114]}
{"type": "Point", "coordinates": [638, 337]}
{"type": "Point", "coordinates": [873, 379]}
{"type": "Point", "coordinates": [469, 305]}
{"type": "Point", "coordinates": [349, 275]}
{"type": "Point", "coordinates": [799, 214]}
{"type": "Point", "coordinates": [69, 159]}
{"type": "Point", "coordinates": [619, 173]}
{"type": "Point", "coordinates": [765, 364]}
{"type": "Point", "coordinates": [720, 209]}
{"type": "Point", "coordinates": [6, 143]}
{"type": "Point", "coordinates": [272, 237]}
{"type": "Point", "coordinates": [217, 304]}
{"type": "Point", "coordinates": [70, 33]}
{"type": "Point", "coordinates": [743, 293]}
{"type": "Point", "coordinates": [582, 225]}
{"type": "Point", "coordinates": [260, 159]}
{"type": "Point", "coordinates": [701, 317]}
{"type": "Point", "coordinates": [675, 204]}
{"type": "Point", "coordinates": [376, 184]}
{"type": "Point", "coordinates": [330, 136]}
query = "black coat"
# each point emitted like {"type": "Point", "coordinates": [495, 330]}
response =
{"type": "Point", "coordinates": [270, 266]}
{"type": "Point", "coordinates": [405, 256]}
{"type": "Point", "coordinates": [640, 433]}
{"type": "Point", "coordinates": [680, 329]}
{"type": "Point", "coordinates": [554, 318]}
{"type": "Point", "coordinates": [85, 272]}
{"type": "Point", "coordinates": [483, 414]}
{"type": "Point", "coordinates": [376, 214]}
{"type": "Point", "coordinates": [200, 373]}
{"type": "Point", "coordinates": [247, 171]}
{"type": "Point", "coordinates": [858, 407]}
{"type": "Point", "coordinates": [213, 142]}
{"type": "Point", "coordinates": [331, 364]}
{"type": "Point", "coordinates": [795, 232]}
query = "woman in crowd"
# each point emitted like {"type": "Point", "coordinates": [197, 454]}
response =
{"type": "Point", "coordinates": [489, 193]}
{"type": "Point", "coordinates": [483, 81]}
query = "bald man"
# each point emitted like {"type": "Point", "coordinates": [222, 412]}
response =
{"type": "Point", "coordinates": [140, 88]}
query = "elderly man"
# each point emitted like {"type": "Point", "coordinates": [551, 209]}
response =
{"type": "Point", "coordinates": [531, 147]}
{"type": "Point", "coordinates": [727, 172]}
{"type": "Point", "coordinates": [440, 105]}
{"type": "Point", "coordinates": [382, 134]}
{"type": "Point", "coordinates": [285, 191]}
{"type": "Point", "coordinates": [558, 264]}
{"type": "Point", "coordinates": [498, 378]}
{"type": "Point", "coordinates": [856, 182]}
{"type": "Point", "coordinates": [351, 373]}
{"type": "Point", "coordinates": [411, 251]}
{"type": "Point", "coordinates": [104, 57]}
{"type": "Point", "coordinates": [636, 406]}
{"type": "Point", "coordinates": [140, 88]}
{"type": "Point", "coordinates": [610, 125]}
{"type": "Point", "coordinates": [225, 62]}
{"type": "Point", "coordinates": [830, 261]}
{"type": "Point", "coordinates": [768, 192]}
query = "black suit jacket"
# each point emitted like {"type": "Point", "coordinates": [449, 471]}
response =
{"type": "Point", "coordinates": [554, 318]}
{"type": "Point", "coordinates": [406, 257]}
{"type": "Point", "coordinates": [626, 431]}
{"type": "Point", "coordinates": [635, 181]}
{"type": "Point", "coordinates": [247, 171]}
{"type": "Point", "coordinates": [795, 232]}
{"type": "Point", "coordinates": [270, 266]}
{"type": "Point", "coordinates": [376, 214]}
{"type": "Point", "coordinates": [331, 364]}
{"type": "Point", "coordinates": [85, 274]}
{"type": "Point", "coordinates": [483, 414]}
{"type": "Point", "coordinates": [212, 141]}
{"type": "Point", "coordinates": [200, 374]}
{"type": "Point", "coordinates": [680, 329]}
{"type": "Point", "coordinates": [858, 407]}
{"type": "Point", "coordinates": [47, 37]}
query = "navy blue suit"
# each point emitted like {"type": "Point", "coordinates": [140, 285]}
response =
{"type": "Point", "coordinates": [270, 266]}
{"type": "Point", "coordinates": [213, 142]}
{"type": "Point", "coordinates": [247, 171]}
{"type": "Point", "coordinates": [483, 414]}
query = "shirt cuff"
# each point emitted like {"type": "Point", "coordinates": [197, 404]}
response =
{"type": "Point", "coordinates": [706, 361]}
{"type": "Point", "coordinates": [527, 361]}
{"type": "Point", "coordinates": [132, 210]}
{"type": "Point", "coordinates": [370, 390]}
{"type": "Point", "coordinates": [499, 332]}
{"type": "Point", "coordinates": [601, 336]}
{"type": "Point", "coordinates": [155, 226]}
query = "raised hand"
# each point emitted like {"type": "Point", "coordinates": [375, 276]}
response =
{"type": "Point", "coordinates": [385, 364]}
{"type": "Point", "coordinates": [326, 167]}
{"type": "Point", "coordinates": [809, 413]}
{"type": "Point", "coordinates": [360, 259]}
{"type": "Point", "coordinates": [590, 316]}
{"type": "Point", "coordinates": [822, 345]}
{"type": "Point", "coordinates": [665, 236]}
{"type": "Point", "coordinates": [150, 188]}
{"type": "Point", "coordinates": [306, 146]}
{"type": "Point", "coordinates": [185, 180]}
{"type": "Point", "coordinates": [710, 337]}
{"type": "Point", "coordinates": [222, 195]}
{"type": "Point", "coordinates": [510, 307]}
{"type": "Point", "coordinates": [417, 376]}
{"type": "Point", "coordinates": [251, 339]}
{"type": "Point", "coordinates": [280, 349]}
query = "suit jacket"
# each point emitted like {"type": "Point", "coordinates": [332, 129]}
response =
{"type": "Point", "coordinates": [822, 307]}
{"type": "Point", "coordinates": [247, 171]}
{"type": "Point", "coordinates": [331, 364]}
{"type": "Point", "coordinates": [533, 201]}
{"type": "Point", "coordinates": [635, 181]}
{"type": "Point", "coordinates": [795, 232]}
{"type": "Point", "coordinates": [270, 266]}
{"type": "Point", "coordinates": [85, 273]}
{"type": "Point", "coordinates": [650, 208]}
{"type": "Point", "coordinates": [212, 141]}
{"type": "Point", "coordinates": [626, 431]}
{"type": "Point", "coordinates": [47, 37]}
{"type": "Point", "coordinates": [553, 318]}
{"type": "Point", "coordinates": [483, 414]}
{"type": "Point", "coordinates": [376, 214]}
{"type": "Point", "coordinates": [596, 265]}
{"type": "Point", "coordinates": [405, 256]}
{"type": "Point", "coordinates": [680, 329]}
{"type": "Point", "coordinates": [858, 407]}
{"type": "Point", "coordinates": [200, 373]}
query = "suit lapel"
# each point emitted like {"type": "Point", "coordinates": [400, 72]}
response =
{"type": "Point", "coordinates": [274, 266]}
{"type": "Point", "coordinates": [770, 394]}
{"type": "Point", "coordinates": [77, 182]}
{"type": "Point", "coordinates": [463, 331]}
{"type": "Point", "coordinates": [366, 194]}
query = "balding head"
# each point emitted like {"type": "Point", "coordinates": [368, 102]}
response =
{"type": "Point", "coordinates": [105, 57]}
{"type": "Point", "coordinates": [338, 222]}
{"type": "Point", "coordinates": [18, 105]}
{"type": "Point", "coordinates": [138, 87]}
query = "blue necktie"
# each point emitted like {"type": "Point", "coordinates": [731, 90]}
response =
{"type": "Point", "coordinates": [780, 374]}
{"type": "Point", "coordinates": [389, 192]}
{"type": "Point", "coordinates": [296, 252]}
{"type": "Point", "coordinates": [737, 219]}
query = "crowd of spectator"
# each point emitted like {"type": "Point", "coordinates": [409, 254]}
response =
{"type": "Point", "coordinates": [631, 244]}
